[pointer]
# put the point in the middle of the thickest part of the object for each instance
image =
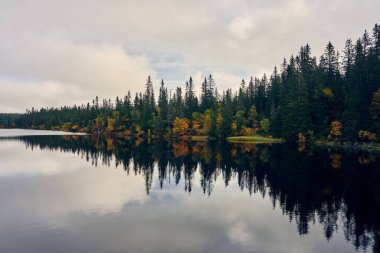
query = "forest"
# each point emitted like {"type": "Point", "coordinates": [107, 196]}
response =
{"type": "Point", "coordinates": [333, 97]}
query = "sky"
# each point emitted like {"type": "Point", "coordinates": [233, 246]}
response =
{"type": "Point", "coordinates": [66, 52]}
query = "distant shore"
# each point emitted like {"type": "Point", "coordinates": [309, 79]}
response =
{"type": "Point", "coordinates": [254, 139]}
{"type": "Point", "coordinates": [372, 147]}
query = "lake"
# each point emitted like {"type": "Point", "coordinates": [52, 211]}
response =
{"type": "Point", "coordinates": [70, 193]}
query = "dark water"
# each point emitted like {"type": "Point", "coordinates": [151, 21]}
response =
{"type": "Point", "coordinates": [84, 194]}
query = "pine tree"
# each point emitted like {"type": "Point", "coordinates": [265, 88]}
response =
{"type": "Point", "coordinates": [190, 99]}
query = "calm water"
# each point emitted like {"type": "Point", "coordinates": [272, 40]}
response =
{"type": "Point", "coordinates": [84, 194]}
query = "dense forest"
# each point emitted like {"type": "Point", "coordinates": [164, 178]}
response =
{"type": "Point", "coordinates": [336, 96]}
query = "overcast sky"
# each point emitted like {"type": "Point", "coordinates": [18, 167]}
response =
{"type": "Point", "coordinates": [65, 52]}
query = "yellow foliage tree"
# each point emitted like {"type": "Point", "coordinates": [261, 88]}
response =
{"type": "Point", "coordinates": [327, 92]}
{"type": "Point", "coordinates": [66, 126]}
{"type": "Point", "coordinates": [110, 125]}
{"type": "Point", "coordinates": [197, 126]}
{"type": "Point", "coordinates": [207, 122]}
{"type": "Point", "coordinates": [99, 123]}
{"type": "Point", "coordinates": [367, 136]}
{"type": "Point", "coordinates": [252, 117]}
{"type": "Point", "coordinates": [234, 127]}
{"type": "Point", "coordinates": [180, 126]}
{"type": "Point", "coordinates": [265, 125]}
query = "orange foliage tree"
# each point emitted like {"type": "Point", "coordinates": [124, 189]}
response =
{"type": "Point", "coordinates": [197, 123]}
{"type": "Point", "coordinates": [180, 126]}
{"type": "Point", "coordinates": [336, 128]}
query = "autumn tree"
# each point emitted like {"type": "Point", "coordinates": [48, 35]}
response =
{"type": "Point", "coordinates": [336, 129]}
{"type": "Point", "coordinates": [180, 126]}
{"type": "Point", "coordinates": [265, 125]}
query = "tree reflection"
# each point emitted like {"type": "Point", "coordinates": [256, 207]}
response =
{"type": "Point", "coordinates": [335, 188]}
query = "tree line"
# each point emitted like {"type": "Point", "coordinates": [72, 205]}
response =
{"type": "Point", "coordinates": [336, 96]}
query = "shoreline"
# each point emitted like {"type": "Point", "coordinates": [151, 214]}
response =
{"type": "Point", "coordinates": [371, 147]}
{"type": "Point", "coordinates": [255, 139]}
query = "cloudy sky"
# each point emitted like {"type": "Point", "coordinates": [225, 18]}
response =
{"type": "Point", "coordinates": [65, 52]}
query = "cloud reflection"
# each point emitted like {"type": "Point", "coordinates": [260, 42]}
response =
{"type": "Point", "coordinates": [62, 203]}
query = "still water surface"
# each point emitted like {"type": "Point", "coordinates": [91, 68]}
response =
{"type": "Point", "coordinates": [87, 194]}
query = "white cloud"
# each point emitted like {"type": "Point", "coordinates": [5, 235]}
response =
{"type": "Point", "coordinates": [53, 72]}
{"type": "Point", "coordinates": [106, 47]}
{"type": "Point", "coordinates": [241, 27]}
{"type": "Point", "coordinates": [63, 187]}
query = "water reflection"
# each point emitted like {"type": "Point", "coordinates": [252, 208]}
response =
{"type": "Point", "coordinates": [338, 190]}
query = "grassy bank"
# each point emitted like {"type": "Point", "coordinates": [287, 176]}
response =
{"type": "Point", "coordinates": [255, 139]}
{"type": "Point", "coordinates": [199, 138]}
